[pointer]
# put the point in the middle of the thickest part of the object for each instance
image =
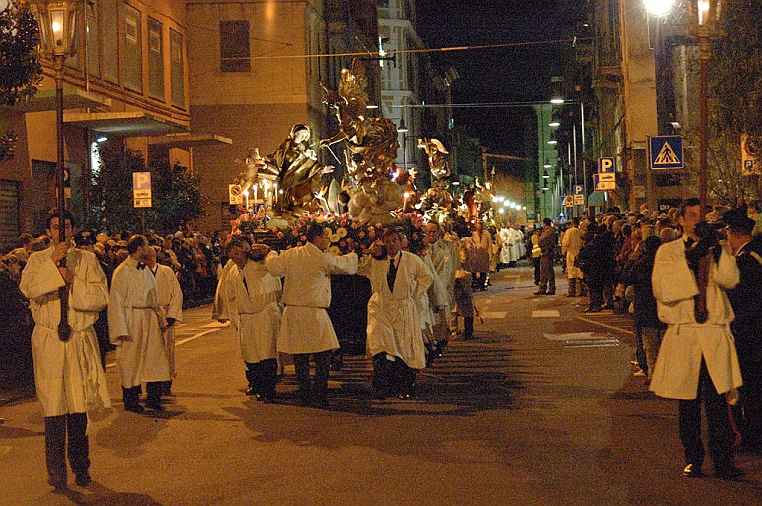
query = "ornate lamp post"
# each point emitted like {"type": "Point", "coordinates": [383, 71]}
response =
{"type": "Point", "coordinates": [58, 22]}
{"type": "Point", "coordinates": [705, 14]}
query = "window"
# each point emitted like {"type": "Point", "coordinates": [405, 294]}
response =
{"type": "Point", "coordinates": [133, 53]}
{"type": "Point", "coordinates": [155, 60]}
{"type": "Point", "coordinates": [93, 46]}
{"type": "Point", "coordinates": [109, 28]}
{"type": "Point", "coordinates": [235, 50]}
{"type": "Point", "coordinates": [177, 68]}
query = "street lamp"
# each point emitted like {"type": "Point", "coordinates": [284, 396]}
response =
{"type": "Point", "coordinates": [705, 14]}
{"type": "Point", "coordinates": [403, 130]}
{"type": "Point", "coordinates": [58, 22]}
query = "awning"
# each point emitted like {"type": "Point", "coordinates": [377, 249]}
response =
{"type": "Point", "coordinates": [188, 140]}
{"type": "Point", "coordinates": [595, 199]}
{"type": "Point", "coordinates": [73, 98]}
{"type": "Point", "coordinates": [124, 124]}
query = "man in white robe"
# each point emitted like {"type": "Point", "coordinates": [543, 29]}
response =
{"type": "Point", "coordinates": [136, 327]}
{"type": "Point", "coordinates": [68, 375]}
{"type": "Point", "coordinates": [697, 360]}
{"type": "Point", "coordinates": [306, 327]}
{"type": "Point", "coordinates": [253, 296]}
{"type": "Point", "coordinates": [395, 342]}
{"type": "Point", "coordinates": [571, 244]}
{"type": "Point", "coordinates": [171, 307]}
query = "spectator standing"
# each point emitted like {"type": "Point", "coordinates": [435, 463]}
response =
{"type": "Point", "coordinates": [306, 328]}
{"type": "Point", "coordinates": [68, 375]}
{"type": "Point", "coordinates": [136, 327]}
{"type": "Point", "coordinates": [746, 301]}
{"type": "Point", "coordinates": [571, 243]}
{"type": "Point", "coordinates": [478, 246]}
{"type": "Point", "coordinates": [697, 361]}
{"type": "Point", "coordinates": [548, 242]}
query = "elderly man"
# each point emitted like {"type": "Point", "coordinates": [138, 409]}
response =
{"type": "Point", "coordinates": [398, 279]}
{"type": "Point", "coordinates": [68, 374]}
{"type": "Point", "coordinates": [171, 307]}
{"type": "Point", "coordinates": [547, 242]}
{"type": "Point", "coordinates": [306, 327]}
{"type": "Point", "coordinates": [697, 360]}
{"type": "Point", "coordinates": [136, 326]}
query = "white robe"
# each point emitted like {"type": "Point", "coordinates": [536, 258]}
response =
{"type": "Point", "coordinates": [219, 306]}
{"type": "Point", "coordinates": [134, 311]}
{"type": "Point", "coordinates": [571, 244]}
{"type": "Point", "coordinates": [306, 326]}
{"type": "Point", "coordinates": [445, 256]}
{"type": "Point", "coordinates": [69, 377]}
{"type": "Point", "coordinates": [171, 306]}
{"type": "Point", "coordinates": [677, 367]}
{"type": "Point", "coordinates": [393, 322]}
{"type": "Point", "coordinates": [254, 311]}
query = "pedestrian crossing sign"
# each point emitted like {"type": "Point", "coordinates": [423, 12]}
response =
{"type": "Point", "coordinates": [666, 152]}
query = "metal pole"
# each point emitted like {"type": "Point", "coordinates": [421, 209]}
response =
{"type": "Point", "coordinates": [584, 164]}
{"type": "Point", "coordinates": [704, 60]}
{"type": "Point", "coordinates": [64, 330]}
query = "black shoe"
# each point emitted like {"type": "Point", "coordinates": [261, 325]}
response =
{"type": "Point", "coordinates": [540, 292]}
{"type": "Point", "coordinates": [250, 391]}
{"type": "Point", "coordinates": [135, 408]}
{"type": "Point", "coordinates": [156, 406]}
{"type": "Point", "coordinates": [593, 310]}
{"type": "Point", "coordinates": [728, 473]}
{"type": "Point", "coordinates": [692, 471]}
{"type": "Point", "coordinates": [58, 483]}
{"type": "Point", "coordinates": [550, 293]}
{"type": "Point", "coordinates": [83, 480]}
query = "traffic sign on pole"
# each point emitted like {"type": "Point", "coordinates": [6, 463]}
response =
{"type": "Point", "coordinates": [666, 152]}
{"type": "Point", "coordinates": [606, 165]}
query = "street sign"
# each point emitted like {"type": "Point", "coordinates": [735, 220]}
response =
{"type": "Point", "coordinates": [235, 194]}
{"type": "Point", "coordinates": [568, 201]}
{"type": "Point", "coordinates": [666, 152]}
{"type": "Point", "coordinates": [601, 186]}
{"type": "Point", "coordinates": [579, 200]}
{"type": "Point", "coordinates": [751, 149]}
{"type": "Point", "coordinates": [607, 177]}
{"type": "Point", "coordinates": [579, 189]}
{"type": "Point", "coordinates": [606, 165]}
{"type": "Point", "coordinates": [141, 189]}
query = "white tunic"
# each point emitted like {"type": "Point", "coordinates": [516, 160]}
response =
{"type": "Point", "coordinates": [306, 326]}
{"type": "Point", "coordinates": [68, 376]}
{"type": "Point", "coordinates": [219, 307]}
{"type": "Point", "coordinates": [445, 256]}
{"type": "Point", "coordinates": [134, 311]}
{"type": "Point", "coordinates": [393, 322]}
{"type": "Point", "coordinates": [685, 342]}
{"type": "Point", "coordinates": [571, 244]}
{"type": "Point", "coordinates": [171, 306]}
{"type": "Point", "coordinates": [254, 310]}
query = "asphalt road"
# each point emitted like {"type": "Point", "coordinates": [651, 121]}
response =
{"type": "Point", "coordinates": [542, 408]}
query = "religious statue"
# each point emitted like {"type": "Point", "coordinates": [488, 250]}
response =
{"type": "Point", "coordinates": [371, 147]}
{"type": "Point", "coordinates": [437, 195]}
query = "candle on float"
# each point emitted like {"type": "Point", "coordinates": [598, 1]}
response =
{"type": "Point", "coordinates": [246, 199]}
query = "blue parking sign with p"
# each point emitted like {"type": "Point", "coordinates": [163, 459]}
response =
{"type": "Point", "coordinates": [606, 165]}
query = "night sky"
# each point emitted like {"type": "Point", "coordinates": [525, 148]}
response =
{"type": "Point", "coordinates": [511, 74]}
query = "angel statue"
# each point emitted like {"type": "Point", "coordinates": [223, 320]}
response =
{"type": "Point", "coordinates": [371, 147]}
{"type": "Point", "coordinates": [295, 169]}
{"type": "Point", "coordinates": [440, 172]}
{"type": "Point", "coordinates": [254, 163]}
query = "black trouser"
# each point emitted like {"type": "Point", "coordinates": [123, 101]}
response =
{"type": "Point", "coordinates": [392, 378]}
{"type": "Point", "coordinates": [56, 430]}
{"type": "Point", "coordinates": [720, 431]}
{"type": "Point", "coordinates": [154, 389]}
{"type": "Point", "coordinates": [263, 376]}
{"type": "Point", "coordinates": [131, 396]}
{"type": "Point", "coordinates": [307, 392]}
{"type": "Point", "coordinates": [536, 264]}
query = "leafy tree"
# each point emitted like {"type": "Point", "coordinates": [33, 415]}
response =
{"type": "Point", "coordinates": [176, 196]}
{"type": "Point", "coordinates": [20, 70]}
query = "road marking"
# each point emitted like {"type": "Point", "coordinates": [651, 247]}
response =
{"type": "Point", "coordinates": [495, 314]}
{"type": "Point", "coordinates": [182, 341]}
{"type": "Point", "coordinates": [612, 327]}
{"type": "Point", "coordinates": [549, 313]}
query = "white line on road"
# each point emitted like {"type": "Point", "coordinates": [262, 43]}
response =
{"type": "Point", "coordinates": [612, 327]}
